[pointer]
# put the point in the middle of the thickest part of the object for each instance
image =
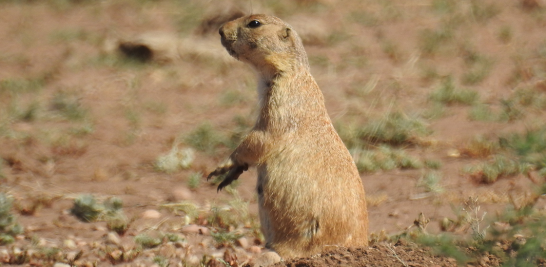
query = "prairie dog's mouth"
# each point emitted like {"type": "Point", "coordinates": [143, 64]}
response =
{"type": "Point", "coordinates": [228, 44]}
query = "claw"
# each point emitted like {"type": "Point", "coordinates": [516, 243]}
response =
{"type": "Point", "coordinates": [217, 172]}
{"type": "Point", "coordinates": [232, 175]}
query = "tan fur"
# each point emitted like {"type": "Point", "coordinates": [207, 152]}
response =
{"type": "Point", "coordinates": [310, 193]}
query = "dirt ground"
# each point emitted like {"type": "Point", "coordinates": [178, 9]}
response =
{"type": "Point", "coordinates": [78, 117]}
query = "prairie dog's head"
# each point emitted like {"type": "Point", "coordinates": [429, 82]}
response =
{"type": "Point", "coordinates": [266, 42]}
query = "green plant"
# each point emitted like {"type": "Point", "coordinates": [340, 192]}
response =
{"type": "Point", "coordinates": [384, 158]}
{"type": "Point", "coordinates": [447, 93]}
{"type": "Point", "coordinates": [194, 180]}
{"type": "Point", "coordinates": [161, 261]}
{"type": "Point", "coordinates": [480, 147]}
{"type": "Point", "coordinates": [478, 68]}
{"type": "Point", "coordinates": [186, 207]}
{"type": "Point", "coordinates": [394, 128]}
{"type": "Point", "coordinates": [204, 138]}
{"type": "Point", "coordinates": [8, 223]}
{"type": "Point", "coordinates": [505, 34]}
{"type": "Point", "coordinates": [86, 208]}
{"type": "Point", "coordinates": [430, 181]}
{"type": "Point", "coordinates": [510, 110]}
{"type": "Point", "coordinates": [430, 41]}
{"type": "Point", "coordinates": [482, 12]}
{"type": "Point", "coordinates": [173, 237]}
{"type": "Point", "coordinates": [68, 106]}
{"type": "Point", "coordinates": [225, 238]}
{"type": "Point", "coordinates": [21, 85]}
{"type": "Point", "coordinates": [529, 146]}
{"type": "Point", "coordinates": [146, 241]}
{"type": "Point", "coordinates": [482, 112]}
{"type": "Point", "coordinates": [500, 166]}
{"type": "Point", "coordinates": [433, 164]}
{"type": "Point", "coordinates": [175, 160]}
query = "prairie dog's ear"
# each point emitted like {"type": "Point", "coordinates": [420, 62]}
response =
{"type": "Point", "coordinates": [285, 34]}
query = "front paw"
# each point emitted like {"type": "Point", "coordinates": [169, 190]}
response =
{"type": "Point", "coordinates": [222, 169]}
{"type": "Point", "coordinates": [233, 172]}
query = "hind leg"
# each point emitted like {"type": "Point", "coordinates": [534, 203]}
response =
{"type": "Point", "coordinates": [265, 220]}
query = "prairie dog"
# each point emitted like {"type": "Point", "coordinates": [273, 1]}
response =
{"type": "Point", "coordinates": [310, 194]}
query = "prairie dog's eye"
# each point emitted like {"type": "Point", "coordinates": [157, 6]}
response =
{"type": "Point", "coordinates": [254, 24]}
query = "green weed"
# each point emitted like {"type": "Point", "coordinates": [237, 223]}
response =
{"type": "Point", "coordinates": [68, 106]}
{"type": "Point", "coordinates": [478, 68]}
{"type": "Point", "coordinates": [184, 207]}
{"type": "Point", "coordinates": [17, 86]}
{"type": "Point", "coordinates": [482, 112]}
{"type": "Point", "coordinates": [505, 34]}
{"type": "Point", "coordinates": [175, 160]}
{"type": "Point", "coordinates": [430, 181]}
{"type": "Point", "coordinates": [431, 41]}
{"type": "Point", "coordinates": [160, 261]}
{"type": "Point", "coordinates": [9, 227]}
{"type": "Point", "coordinates": [87, 209]}
{"type": "Point", "coordinates": [480, 147]}
{"type": "Point", "coordinates": [433, 164]}
{"type": "Point", "coordinates": [482, 11]}
{"type": "Point", "coordinates": [529, 146]}
{"type": "Point", "coordinates": [146, 241]}
{"type": "Point", "coordinates": [194, 180]}
{"type": "Point", "coordinates": [500, 166]}
{"type": "Point", "coordinates": [384, 158]}
{"type": "Point", "coordinates": [394, 128]}
{"type": "Point", "coordinates": [225, 238]}
{"type": "Point", "coordinates": [205, 138]}
{"type": "Point", "coordinates": [447, 93]}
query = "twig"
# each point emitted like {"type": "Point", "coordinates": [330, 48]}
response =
{"type": "Point", "coordinates": [389, 246]}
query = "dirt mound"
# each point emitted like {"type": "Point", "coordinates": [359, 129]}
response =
{"type": "Point", "coordinates": [377, 255]}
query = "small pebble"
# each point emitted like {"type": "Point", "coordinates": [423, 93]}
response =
{"type": "Point", "coordinates": [168, 250]}
{"type": "Point", "coordinates": [99, 228]}
{"type": "Point", "coordinates": [242, 242]}
{"type": "Point", "coordinates": [266, 259]}
{"type": "Point", "coordinates": [69, 243]}
{"type": "Point", "coordinates": [195, 229]}
{"type": "Point", "coordinates": [151, 214]}
{"type": "Point", "coordinates": [4, 255]}
{"type": "Point", "coordinates": [193, 260]}
{"type": "Point", "coordinates": [181, 193]}
{"type": "Point", "coordinates": [255, 249]}
{"type": "Point", "coordinates": [113, 238]}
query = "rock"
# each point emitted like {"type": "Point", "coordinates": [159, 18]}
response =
{"type": "Point", "coordinates": [99, 228]}
{"type": "Point", "coordinates": [242, 242]}
{"type": "Point", "coordinates": [255, 249]}
{"type": "Point", "coordinates": [181, 193]}
{"type": "Point", "coordinates": [195, 229]}
{"type": "Point", "coordinates": [72, 255]}
{"type": "Point", "coordinates": [151, 214]}
{"type": "Point", "coordinates": [4, 256]}
{"type": "Point", "coordinates": [60, 264]}
{"type": "Point", "coordinates": [113, 238]}
{"type": "Point", "coordinates": [266, 259]}
{"type": "Point", "coordinates": [41, 242]}
{"type": "Point", "coordinates": [168, 250]}
{"type": "Point", "coordinates": [193, 260]}
{"type": "Point", "coordinates": [69, 243]}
